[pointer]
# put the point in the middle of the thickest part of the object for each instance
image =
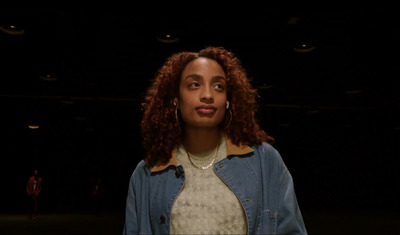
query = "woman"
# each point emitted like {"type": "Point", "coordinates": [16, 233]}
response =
{"type": "Point", "coordinates": [209, 168]}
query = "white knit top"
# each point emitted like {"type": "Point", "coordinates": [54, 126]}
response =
{"type": "Point", "coordinates": [206, 205]}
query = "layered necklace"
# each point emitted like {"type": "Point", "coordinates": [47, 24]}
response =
{"type": "Point", "coordinates": [212, 156]}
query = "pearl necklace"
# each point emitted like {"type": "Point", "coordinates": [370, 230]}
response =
{"type": "Point", "coordinates": [213, 155]}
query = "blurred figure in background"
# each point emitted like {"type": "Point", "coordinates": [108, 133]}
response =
{"type": "Point", "coordinates": [33, 189]}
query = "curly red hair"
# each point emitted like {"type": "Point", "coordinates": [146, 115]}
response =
{"type": "Point", "coordinates": [161, 131]}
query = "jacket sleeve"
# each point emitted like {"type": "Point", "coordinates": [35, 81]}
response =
{"type": "Point", "coordinates": [136, 210]}
{"type": "Point", "coordinates": [281, 200]}
{"type": "Point", "coordinates": [290, 220]}
{"type": "Point", "coordinates": [131, 220]}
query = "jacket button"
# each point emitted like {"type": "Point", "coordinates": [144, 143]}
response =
{"type": "Point", "coordinates": [178, 171]}
{"type": "Point", "coordinates": [162, 219]}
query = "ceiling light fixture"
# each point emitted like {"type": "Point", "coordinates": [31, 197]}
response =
{"type": "Point", "coordinates": [48, 77]}
{"type": "Point", "coordinates": [304, 48]}
{"type": "Point", "coordinates": [264, 86]}
{"type": "Point", "coordinates": [12, 29]}
{"type": "Point", "coordinates": [33, 127]}
{"type": "Point", "coordinates": [167, 38]}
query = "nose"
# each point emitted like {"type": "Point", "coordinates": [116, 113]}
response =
{"type": "Point", "coordinates": [207, 95]}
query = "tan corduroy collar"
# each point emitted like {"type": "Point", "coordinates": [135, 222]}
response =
{"type": "Point", "coordinates": [231, 149]}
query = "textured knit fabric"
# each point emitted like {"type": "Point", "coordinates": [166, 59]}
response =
{"type": "Point", "coordinates": [206, 205]}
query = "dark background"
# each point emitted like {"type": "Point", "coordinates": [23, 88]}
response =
{"type": "Point", "coordinates": [334, 111]}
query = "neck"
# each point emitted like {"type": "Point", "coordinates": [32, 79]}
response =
{"type": "Point", "coordinates": [201, 140]}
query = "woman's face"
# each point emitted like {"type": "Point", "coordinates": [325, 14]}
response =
{"type": "Point", "coordinates": [203, 93]}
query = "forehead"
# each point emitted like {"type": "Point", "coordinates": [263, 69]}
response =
{"type": "Point", "coordinates": [203, 65]}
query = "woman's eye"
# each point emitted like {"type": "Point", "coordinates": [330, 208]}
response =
{"type": "Point", "coordinates": [219, 86]}
{"type": "Point", "coordinates": [194, 85]}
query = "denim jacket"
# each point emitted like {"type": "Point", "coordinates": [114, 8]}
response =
{"type": "Point", "coordinates": [257, 175]}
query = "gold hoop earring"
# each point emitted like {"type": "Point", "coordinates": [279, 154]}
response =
{"type": "Point", "coordinates": [230, 119]}
{"type": "Point", "coordinates": [176, 116]}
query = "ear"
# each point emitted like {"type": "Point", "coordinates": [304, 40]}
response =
{"type": "Point", "coordinates": [227, 104]}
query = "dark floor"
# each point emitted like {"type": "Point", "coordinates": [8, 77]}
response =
{"type": "Point", "coordinates": [112, 223]}
{"type": "Point", "coordinates": [352, 223]}
{"type": "Point", "coordinates": [60, 224]}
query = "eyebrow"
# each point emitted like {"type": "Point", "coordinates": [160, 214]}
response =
{"type": "Point", "coordinates": [198, 77]}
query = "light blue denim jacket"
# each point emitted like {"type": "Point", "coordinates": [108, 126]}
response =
{"type": "Point", "coordinates": [257, 175]}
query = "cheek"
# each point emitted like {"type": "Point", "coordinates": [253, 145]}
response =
{"type": "Point", "coordinates": [222, 104]}
{"type": "Point", "coordinates": [186, 109]}
{"type": "Point", "coordinates": [186, 105]}
{"type": "Point", "coordinates": [222, 112]}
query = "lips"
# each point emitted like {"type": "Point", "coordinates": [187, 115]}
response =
{"type": "Point", "coordinates": [206, 109]}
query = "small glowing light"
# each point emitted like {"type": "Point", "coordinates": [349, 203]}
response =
{"type": "Point", "coordinates": [33, 126]}
{"type": "Point", "coordinates": [12, 30]}
{"type": "Point", "coordinates": [167, 38]}
{"type": "Point", "coordinates": [304, 48]}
